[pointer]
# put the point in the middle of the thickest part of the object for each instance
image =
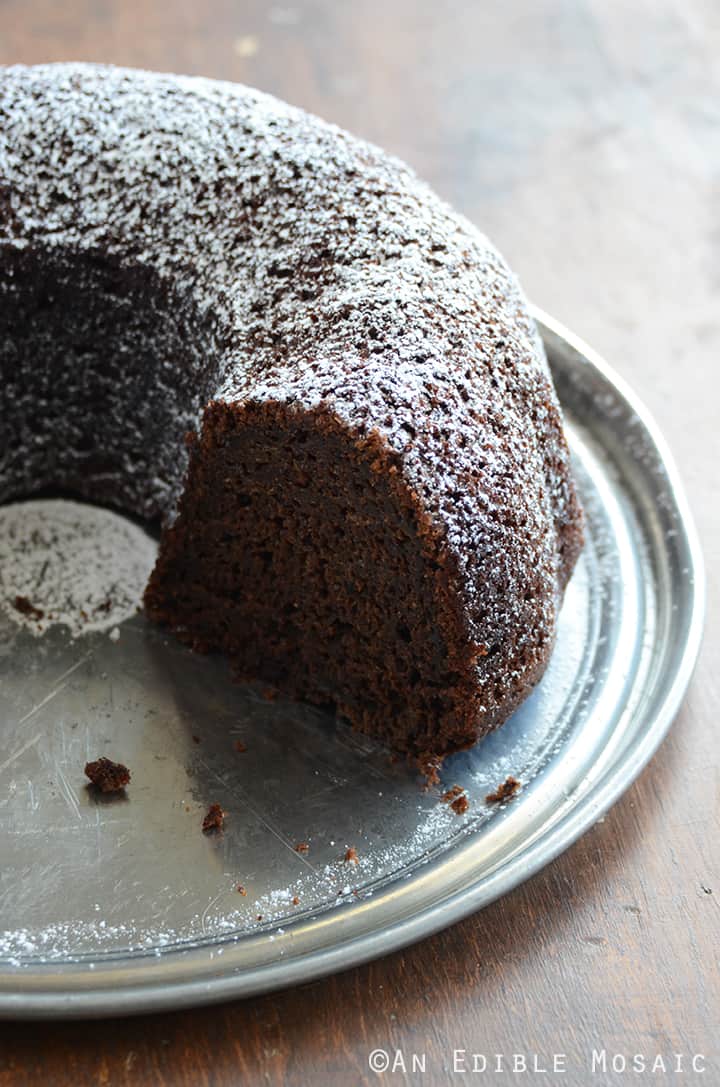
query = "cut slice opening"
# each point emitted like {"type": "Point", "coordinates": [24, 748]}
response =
{"type": "Point", "coordinates": [300, 552]}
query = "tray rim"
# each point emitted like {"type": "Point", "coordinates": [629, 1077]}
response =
{"type": "Point", "coordinates": [48, 993]}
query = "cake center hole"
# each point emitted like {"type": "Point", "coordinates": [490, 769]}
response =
{"type": "Point", "coordinates": [71, 564]}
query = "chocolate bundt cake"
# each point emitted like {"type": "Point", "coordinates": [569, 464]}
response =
{"type": "Point", "coordinates": [222, 313]}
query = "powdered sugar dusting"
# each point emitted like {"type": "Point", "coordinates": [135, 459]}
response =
{"type": "Point", "coordinates": [72, 565]}
{"type": "Point", "coordinates": [312, 891]}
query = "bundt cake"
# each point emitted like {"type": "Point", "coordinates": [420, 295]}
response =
{"type": "Point", "coordinates": [221, 313]}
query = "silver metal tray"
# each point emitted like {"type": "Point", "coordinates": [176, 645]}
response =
{"type": "Point", "coordinates": [125, 906]}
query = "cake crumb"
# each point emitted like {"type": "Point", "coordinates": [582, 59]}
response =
{"type": "Point", "coordinates": [241, 890]}
{"type": "Point", "coordinates": [259, 917]}
{"type": "Point", "coordinates": [457, 799]}
{"type": "Point", "coordinates": [214, 820]}
{"type": "Point", "coordinates": [430, 767]}
{"type": "Point", "coordinates": [240, 746]}
{"type": "Point", "coordinates": [302, 847]}
{"type": "Point", "coordinates": [107, 776]}
{"type": "Point", "coordinates": [506, 791]}
{"type": "Point", "coordinates": [296, 900]}
{"type": "Point", "coordinates": [351, 856]}
{"type": "Point", "coordinates": [26, 607]}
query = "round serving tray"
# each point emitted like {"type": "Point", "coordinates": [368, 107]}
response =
{"type": "Point", "coordinates": [126, 906]}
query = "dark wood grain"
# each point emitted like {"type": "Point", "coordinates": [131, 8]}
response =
{"type": "Point", "coordinates": [585, 138]}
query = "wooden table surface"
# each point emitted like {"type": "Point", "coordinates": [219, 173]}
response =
{"type": "Point", "coordinates": [584, 137]}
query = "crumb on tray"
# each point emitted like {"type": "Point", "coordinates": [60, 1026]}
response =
{"type": "Point", "coordinates": [430, 768]}
{"type": "Point", "coordinates": [506, 791]}
{"type": "Point", "coordinates": [214, 819]}
{"type": "Point", "coordinates": [457, 799]}
{"type": "Point", "coordinates": [26, 607]}
{"type": "Point", "coordinates": [106, 775]}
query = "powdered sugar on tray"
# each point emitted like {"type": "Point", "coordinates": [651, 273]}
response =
{"type": "Point", "coordinates": [68, 564]}
{"type": "Point", "coordinates": [311, 893]}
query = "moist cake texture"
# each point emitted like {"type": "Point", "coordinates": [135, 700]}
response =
{"type": "Point", "coordinates": [221, 313]}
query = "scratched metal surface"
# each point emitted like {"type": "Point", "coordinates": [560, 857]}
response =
{"type": "Point", "coordinates": [122, 904]}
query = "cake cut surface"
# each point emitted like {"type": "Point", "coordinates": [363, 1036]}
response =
{"type": "Point", "coordinates": [221, 313]}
